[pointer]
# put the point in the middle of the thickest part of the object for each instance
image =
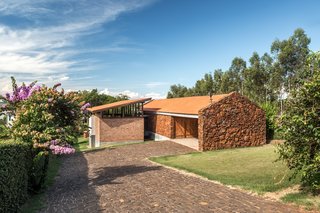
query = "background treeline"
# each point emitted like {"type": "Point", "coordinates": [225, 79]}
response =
{"type": "Point", "coordinates": [95, 98]}
{"type": "Point", "coordinates": [264, 78]}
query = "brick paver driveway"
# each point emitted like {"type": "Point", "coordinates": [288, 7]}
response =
{"type": "Point", "coordinates": [123, 180]}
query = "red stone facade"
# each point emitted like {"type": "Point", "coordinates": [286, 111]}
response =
{"type": "Point", "coordinates": [234, 121]}
{"type": "Point", "coordinates": [120, 129]}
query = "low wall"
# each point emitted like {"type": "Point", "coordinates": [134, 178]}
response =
{"type": "Point", "coordinates": [121, 129]}
{"type": "Point", "coordinates": [234, 121]}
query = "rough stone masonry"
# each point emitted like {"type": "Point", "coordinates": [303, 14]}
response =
{"type": "Point", "coordinates": [234, 121]}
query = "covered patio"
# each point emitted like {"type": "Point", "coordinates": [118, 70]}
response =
{"type": "Point", "coordinates": [121, 121]}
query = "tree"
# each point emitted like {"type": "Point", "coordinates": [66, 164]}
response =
{"type": "Point", "coordinates": [292, 55]}
{"type": "Point", "coordinates": [204, 86]}
{"type": "Point", "coordinates": [217, 80]}
{"type": "Point", "coordinates": [255, 78]}
{"type": "Point", "coordinates": [301, 125]}
{"type": "Point", "coordinates": [178, 90]}
{"type": "Point", "coordinates": [95, 98]}
{"type": "Point", "coordinates": [232, 79]}
{"type": "Point", "coordinates": [237, 69]}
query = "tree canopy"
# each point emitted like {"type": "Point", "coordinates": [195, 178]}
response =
{"type": "Point", "coordinates": [95, 98]}
{"type": "Point", "coordinates": [262, 78]}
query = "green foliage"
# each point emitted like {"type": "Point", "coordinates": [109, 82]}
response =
{"type": "Point", "coordinates": [4, 131]}
{"type": "Point", "coordinates": [38, 171]}
{"type": "Point", "coordinates": [36, 202]}
{"type": "Point", "coordinates": [15, 161]}
{"type": "Point", "coordinates": [46, 115]}
{"type": "Point", "coordinates": [177, 91]}
{"type": "Point", "coordinates": [95, 98]}
{"type": "Point", "coordinates": [271, 116]}
{"type": "Point", "coordinates": [301, 124]}
{"type": "Point", "coordinates": [292, 55]}
{"type": "Point", "coordinates": [264, 78]}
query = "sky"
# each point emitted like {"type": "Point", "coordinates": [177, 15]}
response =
{"type": "Point", "coordinates": [140, 47]}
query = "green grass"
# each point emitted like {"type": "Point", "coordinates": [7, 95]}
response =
{"type": "Point", "coordinates": [37, 201]}
{"type": "Point", "coordinates": [252, 169]}
{"type": "Point", "coordinates": [82, 145]}
{"type": "Point", "coordinates": [303, 198]}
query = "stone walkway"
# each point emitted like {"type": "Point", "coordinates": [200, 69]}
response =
{"type": "Point", "coordinates": [123, 180]}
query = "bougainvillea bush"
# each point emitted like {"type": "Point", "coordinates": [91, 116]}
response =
{"type": "Point", "coordinates": [48, 119]}
{"type": "Point", "coordinates": [43, 114]}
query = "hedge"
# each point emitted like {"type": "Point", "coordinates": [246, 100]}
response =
{"type": "Point", "coordinates": [15, 159]}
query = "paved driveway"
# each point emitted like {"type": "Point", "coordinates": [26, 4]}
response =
{"type": "Point", "coordinates": [123, 180]}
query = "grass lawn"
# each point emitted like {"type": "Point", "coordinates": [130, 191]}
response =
{"type": "Point", "coordinates": [252, 168]}
{"type": "Point", "coordinates": [82, 144]}
{"type": "Point", "coordinates": [37, 201]}
{"type": "Point", "coordinates": [304, 199]}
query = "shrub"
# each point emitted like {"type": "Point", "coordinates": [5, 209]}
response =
{"type": "Point", "coordinates": [15, 161]}
{"type": "Point", "coordinates": [44, 114]}
{"type": "Point", "coordinates": [271, 116]}
{"type": "Point", "coordinates": [4, 131]}
{"type": "Point", "coordinates": [38, 171]}
{"type": "Point", "coordinates": [47, 119]}
{"type": "Point", "coordinates": [301, 124]}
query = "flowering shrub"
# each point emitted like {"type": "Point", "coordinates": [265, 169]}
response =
{"type": "Point", "coordinates": [44, 114]}
{"type": "Point", "coordinates": [47, 119]}
{"type": "Point", "coordinates": [60, 149]}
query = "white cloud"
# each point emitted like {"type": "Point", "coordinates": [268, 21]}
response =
{"type": "Point", "coordinates": [155, 95]}
{"type": "Point", "coordinates": [130, 94]}
{"type": "Point", "coordinates": [47, 43]}
{"type": "Point", "coordinates": [155, 84]}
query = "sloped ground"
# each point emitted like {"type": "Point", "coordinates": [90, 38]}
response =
{"type": "Point", "coordinates": [123, 180]}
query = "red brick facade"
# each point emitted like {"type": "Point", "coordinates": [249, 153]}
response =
{"type": "Point", "coordinates": [234, 121]}
{"type": "Point", "coordinates": [120, 129]}
{"type": "Point", "coordinates": [160, 124]}
{"type": "Point", "coordinates": [172, 127]}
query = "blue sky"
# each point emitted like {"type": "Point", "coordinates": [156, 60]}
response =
{"type": "Point", "coordinates": [140, 47]}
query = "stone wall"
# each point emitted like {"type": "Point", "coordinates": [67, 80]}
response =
{"type": "Point", "coordinates": [160, 124]}
{"type": "Point", "coordinates": [121, 129]}
{"type": "Point", "coordinates": [234, 121]}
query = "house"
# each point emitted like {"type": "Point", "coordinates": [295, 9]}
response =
{"type": "Point", "coordinates": [122, 121]}
{"type": "Point", "coordinates": [216, 122]}
{"type": "Point", "coordinates": [6, 116]}
{"type": "Point", "coordinates": [220, 121]}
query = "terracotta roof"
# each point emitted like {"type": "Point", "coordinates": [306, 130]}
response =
{"type": "Point", "coordinates": [185, 105]}
{"type": "Point", "coordinates": [117, 104]}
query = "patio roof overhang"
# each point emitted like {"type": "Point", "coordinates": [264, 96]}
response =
{"type": "Point", "coordinates": [118, 104]}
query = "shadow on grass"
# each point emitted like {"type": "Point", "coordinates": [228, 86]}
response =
{"type": "Point", "coordinates": [108, 175]}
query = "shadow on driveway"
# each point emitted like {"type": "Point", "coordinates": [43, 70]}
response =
{"type": "Point", "coordinates": [71, 191]}
{"type": "Point", "coordinates": [108, 175]}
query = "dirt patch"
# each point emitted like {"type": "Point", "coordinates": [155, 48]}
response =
{"type": "Point", "coordinates": [276, 142]}
{"type": "Point", "coordinates": [279, 194]}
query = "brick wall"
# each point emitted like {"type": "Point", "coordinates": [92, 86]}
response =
{"type": "Point", "coordinates": [121, 129]}
{"type": "Point", "coordinates": [160, 124]}
{"type": "Point", "coordinates": [234, 121]}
